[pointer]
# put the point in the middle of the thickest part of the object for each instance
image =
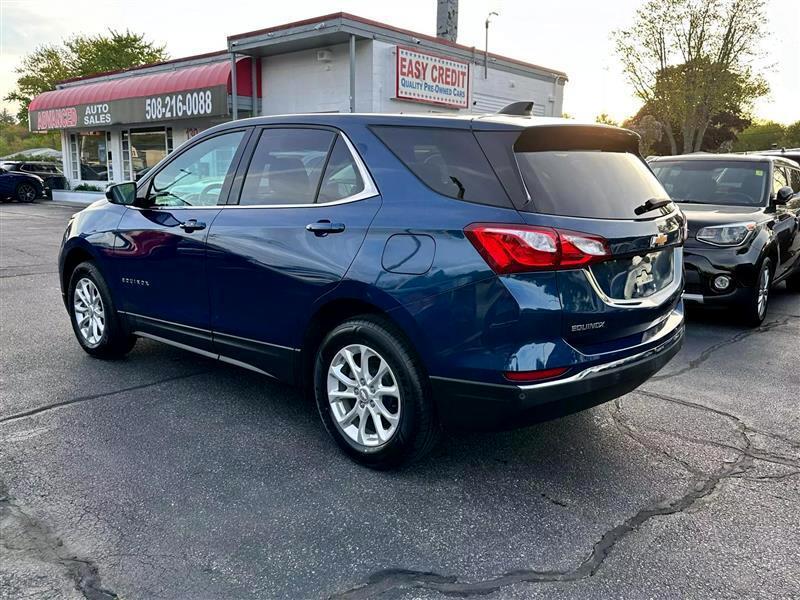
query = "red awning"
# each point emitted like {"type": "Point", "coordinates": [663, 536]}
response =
{"type": "Point", "coordinates": [166, 82]}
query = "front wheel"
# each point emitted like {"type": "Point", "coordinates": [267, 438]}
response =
{"type": "Point", "coordinates": [26, 192]}
{"type": "Point", "coordinates": [95, 321]}
{"type": "Point", "coordinates": [756, 305]}
{"type": "Point", "coordinates": [372, 394]}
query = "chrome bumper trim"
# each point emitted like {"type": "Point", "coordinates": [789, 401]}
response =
{"type": "Point", "coordinates": [616, 364]}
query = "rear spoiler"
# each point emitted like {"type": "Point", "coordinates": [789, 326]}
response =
{"type": "Point", "coordinates": [568, 136]}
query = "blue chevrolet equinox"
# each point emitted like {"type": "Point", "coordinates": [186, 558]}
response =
{"type": "Point", "coordinates": [413, 273]}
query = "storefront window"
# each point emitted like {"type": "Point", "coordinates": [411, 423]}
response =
{"type": "Point", "coordinates": [89, 155]}
{"type": "Point", "coordinates": [145, 148]}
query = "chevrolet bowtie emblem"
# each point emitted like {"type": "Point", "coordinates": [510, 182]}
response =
{"type": "Point", "coordinates": [659, 240]}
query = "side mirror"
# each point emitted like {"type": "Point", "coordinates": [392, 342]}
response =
{"type": "Point", "coordinates": [784, 195]}
{"type": "Point", "coordinates": [122, 193]}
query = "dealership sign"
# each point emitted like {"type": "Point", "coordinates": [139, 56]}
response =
{"type": "Point", "coordinates": [189, 104]}
{"type": "Point", "coordinates": [432, 79]}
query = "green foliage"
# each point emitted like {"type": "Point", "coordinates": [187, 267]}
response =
{"type": "Point", "coordinates": [650, 131]}
{"type": "Point", "coordinates": [87, 187]}
{"type": "Point", "coordinates": [80, 56]}
{"type": "Point", "coordinates": [791, 136]}
{"type": "Point", "coordinates": [32, 158]}
{"type": "Point", "coordinates": [604, 119]}
{"type": "Point", "coordinates": [690, 61]}
{"type": "Point", "coordinates": [762, 135]}
{"type": "Point", "coordinates": [16, 138]}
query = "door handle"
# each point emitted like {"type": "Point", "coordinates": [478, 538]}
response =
{"type": "Point", "coordinates": [324, 227]}
{"type": "Point", "coordinates": [192, 225]}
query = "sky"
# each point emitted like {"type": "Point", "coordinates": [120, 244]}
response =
{"type": "Point", "coordinates": [568, 35]}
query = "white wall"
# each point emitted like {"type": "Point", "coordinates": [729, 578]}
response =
{"type": "Point", "coordinates": [298, 82]}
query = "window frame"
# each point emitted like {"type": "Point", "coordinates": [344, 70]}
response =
{"type": "Point", "coordinates": [370, 188]}
{"type": "Point", "coordinates": [143, 186]}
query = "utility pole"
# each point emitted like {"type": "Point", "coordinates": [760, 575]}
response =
{"type": "Point", "coordinates": [486, 47]}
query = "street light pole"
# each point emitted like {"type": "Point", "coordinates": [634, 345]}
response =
{"type": "Point", "coordinates": [486, 46]}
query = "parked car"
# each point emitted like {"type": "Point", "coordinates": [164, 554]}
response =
{"type": "Point", "coordinates": [790, 153]}
{"type": "Point", "coordinates": [429, 271]}
{"type": "Point", "coordinates": [22, 187]}
{"type": "Point", "coordinates": [49, 172]}
{"type": "Point", "coordinates": [744, 216]}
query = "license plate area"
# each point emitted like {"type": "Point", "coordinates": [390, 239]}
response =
{"type": "Point", "coordinates": [636, 277]}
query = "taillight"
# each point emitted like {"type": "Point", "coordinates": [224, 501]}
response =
{"type": "Point", "coordinates": [523, 376]}
{"type": "Point", "coordinates": [520, 248]}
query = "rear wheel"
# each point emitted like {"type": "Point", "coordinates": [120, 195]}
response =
{"type": "Point", "coordinates": [94, 317]}
{"type": "Point", "coordinates": [26, 192]}
{"type": "Point", "coordinates": [756, 305]}
{"type": "Point", "coordinates": [372, 394]}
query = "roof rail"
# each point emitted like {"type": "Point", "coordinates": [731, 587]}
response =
{"type": "Point", "coordinates": [522, 109]}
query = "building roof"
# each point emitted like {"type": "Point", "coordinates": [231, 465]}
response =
{"type": "Point", "coordinates": [336, 28]}
{"type": "Point", "coordinates": [178, 79]}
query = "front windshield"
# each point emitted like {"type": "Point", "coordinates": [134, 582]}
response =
{"type": "Point", "coordinates": [736, 183]}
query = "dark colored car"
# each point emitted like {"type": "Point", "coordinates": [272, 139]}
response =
{"type": "Point", "coordinates": [744, 216]}
{"type": "Point", "coordinates": [23, 187]}
{"type": "Point", "coordinates": [790, 153]}
{"type": "Point", "coordinates": [49, 172]}
{"type": "Point", "coordinates": [412, 272]}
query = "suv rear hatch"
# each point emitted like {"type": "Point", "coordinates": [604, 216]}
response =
{"type": "Point", "coordinates": [591, 180]}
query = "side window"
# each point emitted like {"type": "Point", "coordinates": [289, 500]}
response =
{"type": "Point", "coordinates": [794, 179]}
{"type": "Point", "coordinates": [286, 166]}
{"type": "Point", "coordinates": [196, 177]}
{"type": "Point", "coordinates": [779, 178]}
{"type": "Point", "coordinates": [449, 161]}
{"type": "Point", "coordinates": [341, 178]}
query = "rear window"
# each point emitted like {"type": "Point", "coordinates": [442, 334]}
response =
{"type": "Point", "coordinates": [449, 161]}
{"type": "Point", "coordinates": [588, 183]}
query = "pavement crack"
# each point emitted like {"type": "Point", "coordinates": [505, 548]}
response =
{"type": "Point", "coordinates": [708, 352]}
{"type": "Point", "coordinates": [133, 388]}
{"type": "Point", "coordinates": [701, 486]}
{"type": "Point", "coordinates": [25, 535]}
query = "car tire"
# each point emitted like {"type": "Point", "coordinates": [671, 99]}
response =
{"type": "Point", "coordinates": [95, 321]}
{"type": "Point", "coordinates": [406, 428]}
{"type": "Point", "coordinates": [755, 308]}
{"type": "Point", "coordinates": [26, 192]}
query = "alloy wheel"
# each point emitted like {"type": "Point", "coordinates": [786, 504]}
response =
{"type": "Point", "coordinates": [363, 395]}
{"type": "Point", "coordinates": [89, 311]}
{"type": "Point", "coordinates": [763, 292]}
{"type": "Point", "coordinates": [26, 193]}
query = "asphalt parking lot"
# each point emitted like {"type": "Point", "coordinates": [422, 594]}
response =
{"type": "Point", "coordinates": [166, 475]}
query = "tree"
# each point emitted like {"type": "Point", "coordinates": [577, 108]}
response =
{"type": "Point", "coordinates": [761, 135]}
{"type": "Point", "coordinates": [650, 131]}
{"type": "Point", "coordinates": [6, 118]}
{"type": "Point", "coordinates": [80, 56]}
{"type": "Point", "coordinates": [690, 60]}
{"type": "Point", "coordinates": [791, 136]}
{"type": "Point", "coordinates": [604, 119]}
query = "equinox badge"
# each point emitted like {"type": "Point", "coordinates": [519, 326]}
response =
{"type": "Point", "coordinates": [588, 326]}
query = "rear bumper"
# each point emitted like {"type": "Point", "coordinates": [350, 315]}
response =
{"type": "Point", "coordinates": [474, 405]}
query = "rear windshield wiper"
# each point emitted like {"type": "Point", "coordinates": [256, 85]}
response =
{"type": "Point", "coordinates": [651, 204]}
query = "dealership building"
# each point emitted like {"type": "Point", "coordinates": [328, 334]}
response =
{"type": "Point", "coordinates": [115, 126]}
